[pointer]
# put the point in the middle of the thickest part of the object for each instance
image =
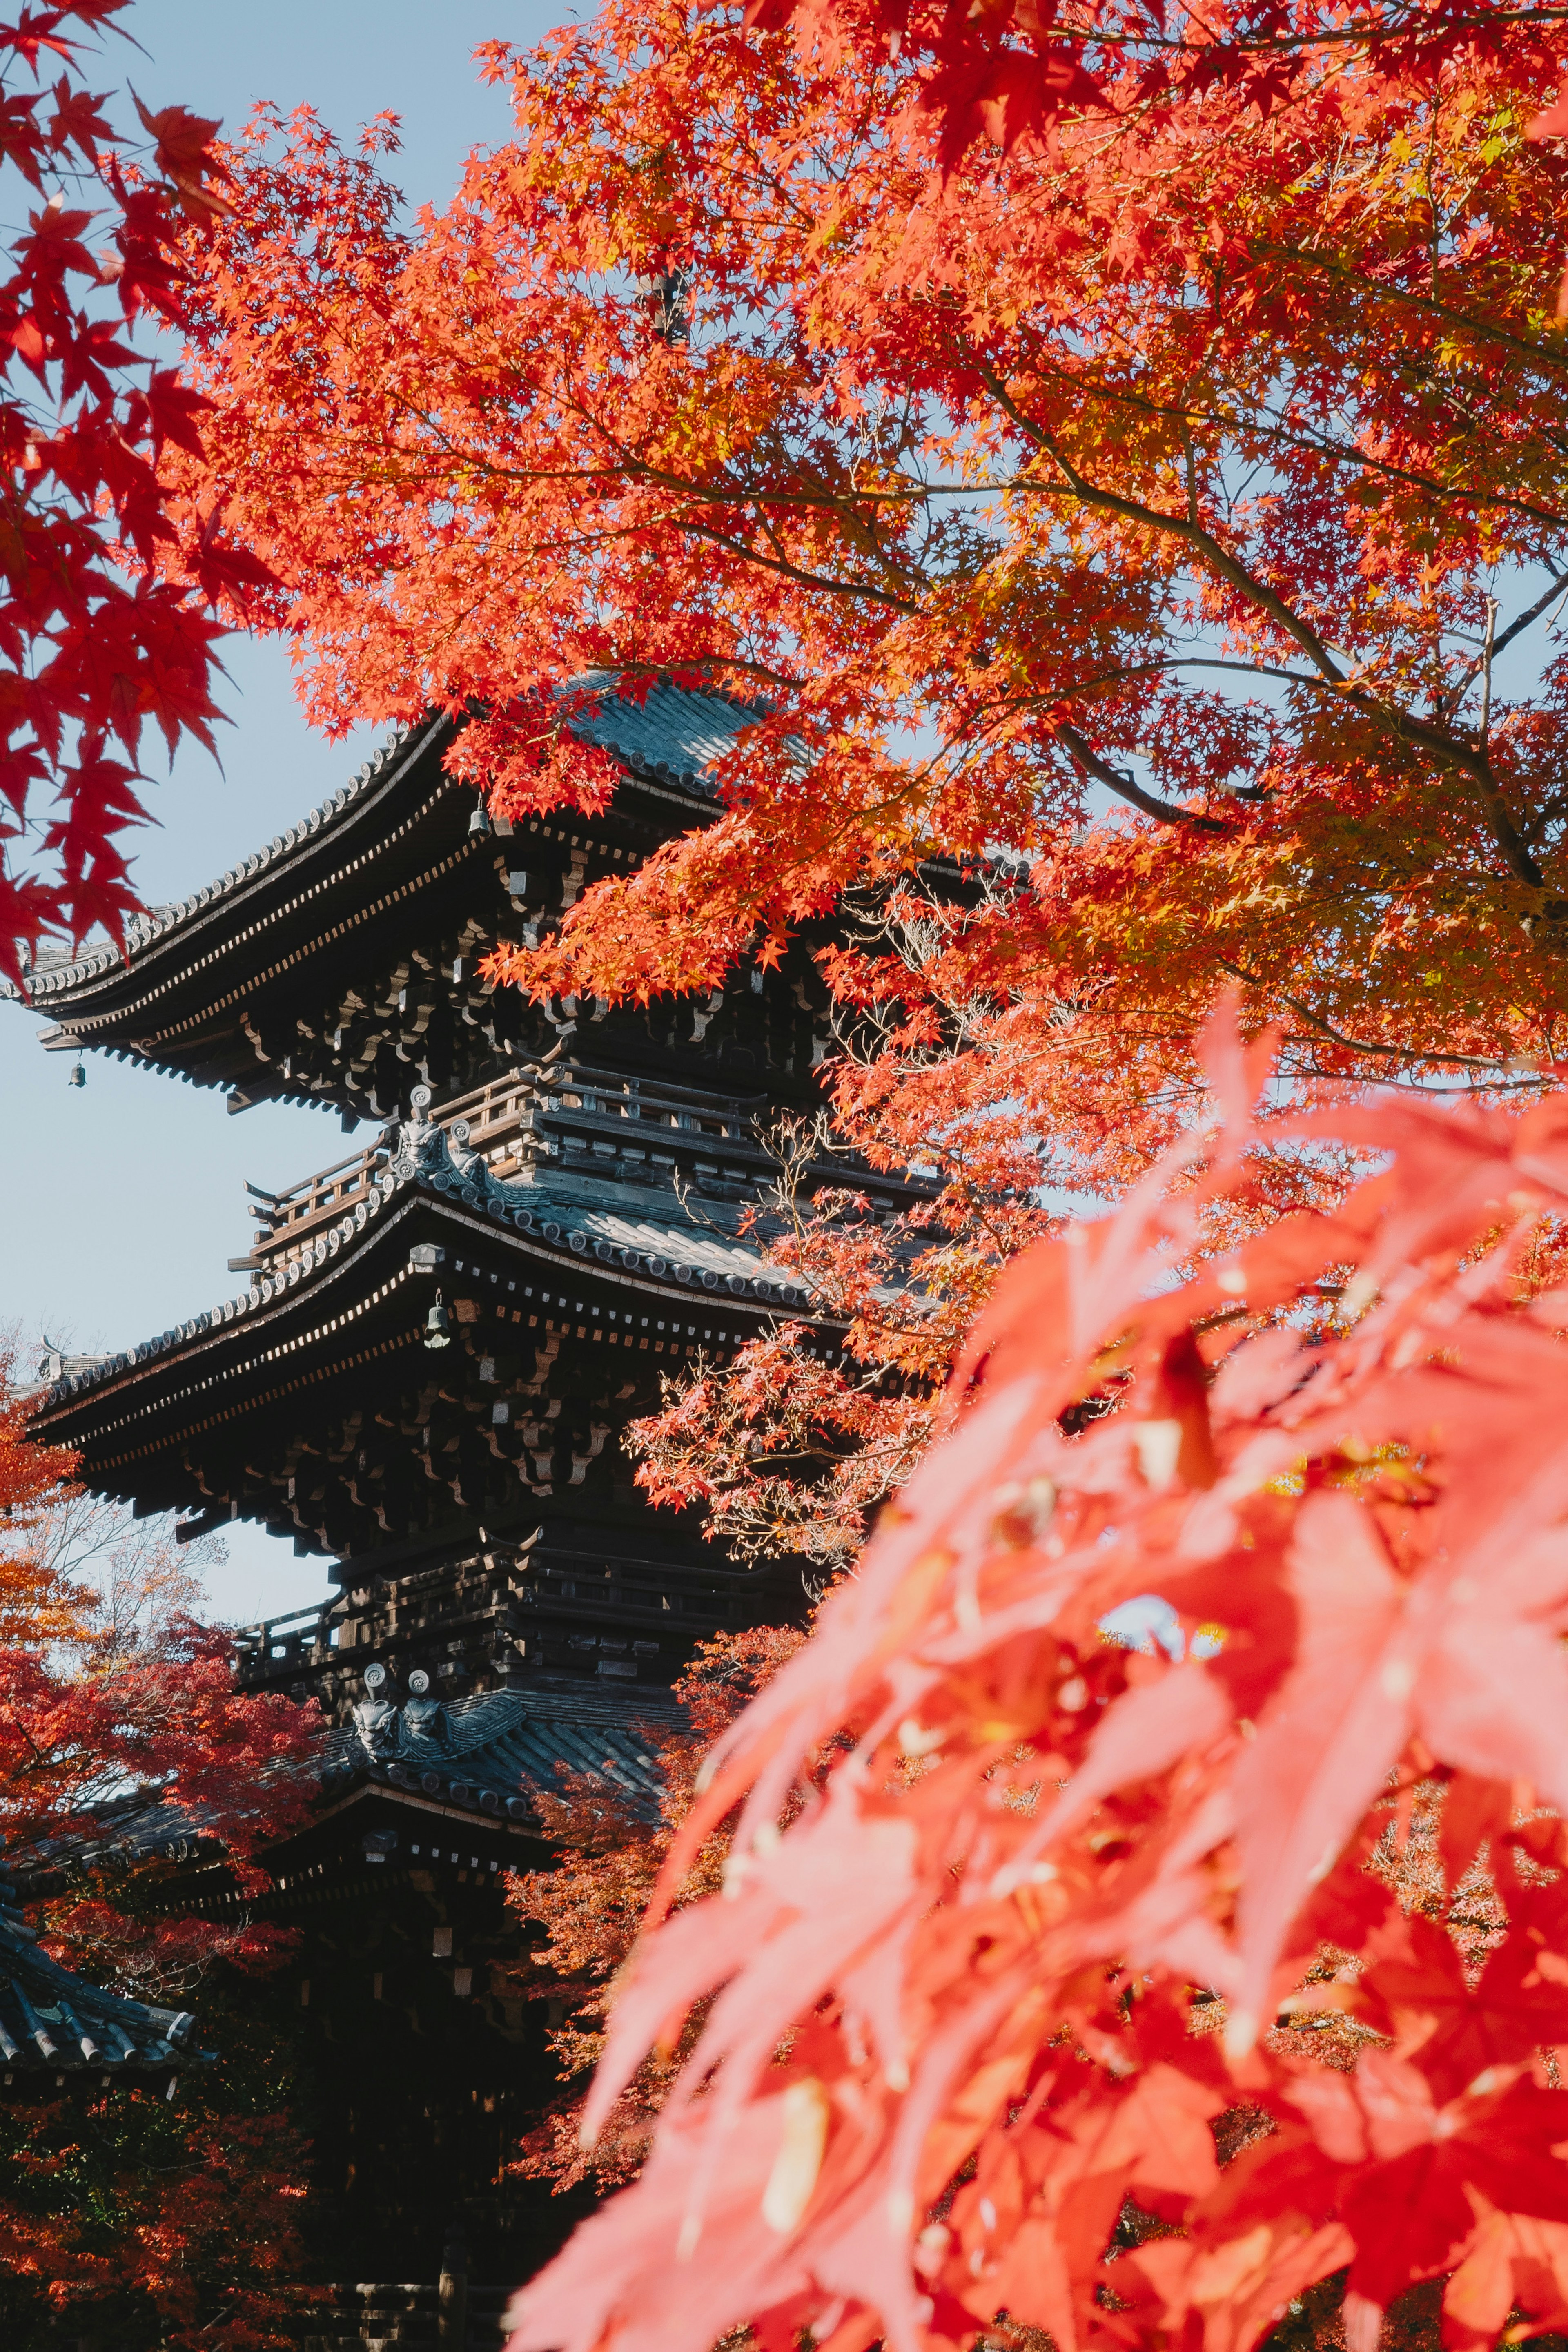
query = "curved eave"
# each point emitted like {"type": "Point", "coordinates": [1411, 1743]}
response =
{"type": "Point", "coordinates": [54, 2021]}
{"type": "Point", "coordinates": [357, 847]}
{"type": "Point", "coordinates": [349, 834]}
{"type": "Point", "coordinates": [365, 1296]}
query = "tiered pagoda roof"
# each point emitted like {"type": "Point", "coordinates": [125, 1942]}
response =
{"type": "Point", "coordinates": [313, 1400]}
{"type": "Point", "coordinates": [337, 965]}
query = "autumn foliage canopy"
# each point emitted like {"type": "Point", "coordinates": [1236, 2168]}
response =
{"type": "Point", "coordinates": [1172, 499]}
{"type": "Point", "coordinates": [157, 2217]}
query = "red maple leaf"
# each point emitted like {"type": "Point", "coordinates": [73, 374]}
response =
{"type": "Point", "coordinates": [184, 154]}
{"type": "Point", "coordinates": [1455, 2030]}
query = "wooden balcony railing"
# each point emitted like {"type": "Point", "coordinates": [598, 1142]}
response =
{"type": "Point", "coordinates": [505, 1121]}
{"type": "Point", "coordinates": [591, 1121]}
{"type": "Point", "coordinates": [286, 1222]}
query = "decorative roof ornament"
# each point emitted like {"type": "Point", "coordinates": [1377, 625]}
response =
{"type": "Point", "coordinates": [424, 1717]}
{"type": "Point", "coordinates": [375, 1717]}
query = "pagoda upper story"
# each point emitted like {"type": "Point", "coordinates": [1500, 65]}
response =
{"type": "Point", "coordinates": [339, 965]}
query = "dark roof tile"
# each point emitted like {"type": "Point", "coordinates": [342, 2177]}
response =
{"type": "Point", "coordinates": [54, 2020]}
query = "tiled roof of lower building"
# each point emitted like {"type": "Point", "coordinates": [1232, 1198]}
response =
{"type": "Point", "coordinates": [492, 1753]}
{"type": "Point", "coordinates": [53, 2021]}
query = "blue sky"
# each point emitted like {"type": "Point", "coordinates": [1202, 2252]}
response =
{"type": "Point", "coordinates": [120, 1201]}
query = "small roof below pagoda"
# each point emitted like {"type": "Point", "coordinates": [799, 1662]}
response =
{"type": "Point", "coordinates": [54, 2021]}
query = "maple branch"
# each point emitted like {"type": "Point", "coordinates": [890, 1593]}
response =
{"type": "Point", "coordinates": [1359, 1044]}
{"type": "Point", "coordinates": [1442, 746]}
{"type": "Point", "coordinates": [1195, 535]}
{"type": "Point", "coordinates": [1117, 780]}
{"type": "Point", "coordinates": [1441, 493]}
{"type": "Point", "coordinates": [756, 499]}
{"type": "Point", "coordinates": [1191, 464]}
{"type": "Point", "coordinates": [1274, 431]}
{"type": "Point", "coordinates": [1485, 330]}
{"type": "Point", "coordinates": [1368, 35]}
{"type": "Point", "coordinates": [1505, 637]}
{"type": "Point", "coordinates": [780, 566]}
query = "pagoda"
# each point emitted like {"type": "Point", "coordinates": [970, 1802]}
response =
{"type": "Point", "coordinates": [425, 1378]}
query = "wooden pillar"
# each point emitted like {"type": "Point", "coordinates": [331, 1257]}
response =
{"type": "Point", "coordinates": [451, 2303]}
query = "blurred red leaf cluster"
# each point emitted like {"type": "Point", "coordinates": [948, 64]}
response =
{"type": "Point", "coordinates": [1147, 1897]}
